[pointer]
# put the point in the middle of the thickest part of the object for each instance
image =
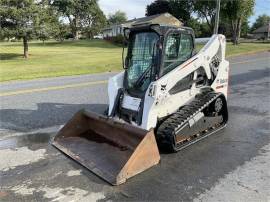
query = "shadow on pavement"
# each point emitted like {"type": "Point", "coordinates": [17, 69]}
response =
{"type": "Point", "coordinates": [46, 115]}
{"type": "Point", "coordinates": [249, 76]}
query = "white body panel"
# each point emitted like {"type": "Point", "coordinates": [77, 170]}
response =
{"type": "Point", "coordinates": [131, 103]}
{"type": "Point", "coordinates": [159, 102]}
{"type": "Point", "coordinates": [114, 84]}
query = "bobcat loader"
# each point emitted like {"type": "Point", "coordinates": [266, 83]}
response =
{"type": "Point", "coordinates": [167, 98]}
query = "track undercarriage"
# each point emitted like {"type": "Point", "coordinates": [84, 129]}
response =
{"type": "Point", "coordinates": [203, 116]}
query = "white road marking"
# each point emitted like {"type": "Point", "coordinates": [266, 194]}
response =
{"type": "Point", "coordinates": [248, 183]}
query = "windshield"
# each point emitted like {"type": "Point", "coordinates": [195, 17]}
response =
{"type": "Point", "coordinates": [140, 59]}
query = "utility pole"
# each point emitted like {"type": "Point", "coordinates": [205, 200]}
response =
{"type": "Point", "coordinates": [217, 17]}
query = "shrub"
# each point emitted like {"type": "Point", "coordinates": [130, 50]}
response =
{"type": "Point", "coordinates": [119, 39]}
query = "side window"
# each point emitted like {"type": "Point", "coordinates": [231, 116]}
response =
{"type": "Point", "coordinates": [171, 49]}
{"type": "Point", "coordinates": [186, 47]}
{"type": "Point", "coordinates": [178, 49]}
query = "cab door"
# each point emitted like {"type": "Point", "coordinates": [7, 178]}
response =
{"type": "Point", "coordinates": [179, 48]}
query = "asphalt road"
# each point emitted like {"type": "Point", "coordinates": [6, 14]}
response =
{"type": "Point", "coordinates": [232, 165]}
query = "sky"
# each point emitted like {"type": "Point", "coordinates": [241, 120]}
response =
{"type": "Point", "coordinates": [261, 7]}
{"type": "Point", "coordinates": [133, 8]}
{"type": "Point", "coordinates": [136, 8]}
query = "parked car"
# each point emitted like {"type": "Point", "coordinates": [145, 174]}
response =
{"type": "Point", "coordinates": [99, 36]}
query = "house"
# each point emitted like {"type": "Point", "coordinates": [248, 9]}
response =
{"type": "Point", "coordinates": [262, 32]}
{"type": "Point", "coordinates": [161, 19]}
{"type": "Point", "coordinates": [113, 31]}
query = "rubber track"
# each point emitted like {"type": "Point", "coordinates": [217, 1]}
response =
{"type": "Point", "coordinates": [173, 124]}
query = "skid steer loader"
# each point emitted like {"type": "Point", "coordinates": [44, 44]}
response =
{"type": "Point", "coordinates": [168, 97]}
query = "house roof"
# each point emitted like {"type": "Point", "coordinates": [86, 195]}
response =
{"type": "Point", "coordinates": [161, 19]}
{"type": "Point", "coordinates": [262, 29]}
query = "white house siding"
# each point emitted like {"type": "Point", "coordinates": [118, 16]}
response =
{"type": "Point", "coordinates": [113, 31]}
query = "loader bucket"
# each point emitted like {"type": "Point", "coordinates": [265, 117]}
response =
{"type": "Point", "coordinates": [112, 150]}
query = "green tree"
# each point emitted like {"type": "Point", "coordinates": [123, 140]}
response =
{"type": "Point", "coordinates": [50, 23]}
{"type": "Point", "coordinates": [245, 29]}
{"type": "Point", "coordinates": [207, 10]}
{"type": "Point", "coordinates": [200, 28]}
{"type": "Point", "coordinates": [158, 7]}
{"type": "Point", "coordinates": [262, 20]}
{"type": "Point", "coordinates": [76, 11]}
{"type": "Point", "coordinates": [237, 12]}
{"type": "Point", "coordinates": [117, 18]}
{"type": "Point", "coordinates": [182, 10]}
{"type": "Point", "coordinates": [23, 19]}
{"type": "Point", "coordinates": [63, 32]}
{"type": "Point", "coordinates": [178, 8]}
{"type": "Point", "coordinates": [196, 26]}
{"type": "Point", "coordinates": [93, 22]}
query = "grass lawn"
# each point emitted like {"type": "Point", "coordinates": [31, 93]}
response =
{"type": "Point", "coordinates": [58, 59]}
{"type": "Point", "coordinates": [72, 58]}
{"type": "Point", "coordinates": [243, 48]}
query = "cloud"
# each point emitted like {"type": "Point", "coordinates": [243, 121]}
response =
{"type": "Point", "coordinates": [133, 9]}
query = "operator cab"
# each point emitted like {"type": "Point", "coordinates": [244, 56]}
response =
{"type": "Point", "coordinates": [153, 51]}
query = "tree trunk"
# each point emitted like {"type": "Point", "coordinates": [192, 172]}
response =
{"type": "Point", "coordinates": [76, 35]}
{"type": "Point", "coordinates": [25, 47]}
{"type": "Point", "coordinates": [233, 32]}
{"type": "Point", "coordinates": [89, 34]}
{"type": "Point", "coordinates": [234, 38]}
{"type": "Point", "coordinates": [238, 31]}
{"type": "Point", "coordinates": [76, 31]}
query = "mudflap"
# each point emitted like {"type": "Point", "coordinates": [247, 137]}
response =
{"type": "Point", "coordinates": [112, 150]}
